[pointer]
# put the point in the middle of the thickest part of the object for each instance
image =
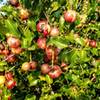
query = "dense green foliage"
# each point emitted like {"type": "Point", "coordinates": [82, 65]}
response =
{"type": "Point", "coordinates": [81, 79]}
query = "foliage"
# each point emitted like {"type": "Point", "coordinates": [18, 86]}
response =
{"type": "Point", "coordinates": [80, 81]}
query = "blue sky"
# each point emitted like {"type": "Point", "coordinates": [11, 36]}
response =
{"type": "Point", "coordinates": [1, 3]}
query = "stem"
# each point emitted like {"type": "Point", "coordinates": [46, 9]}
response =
{"type": "Point", "coordinates": [52, 58]}
{"type": "Point", "coordinates": [11, 68]}
{"type": "Point", "coordinates": [30, 56]}
{"type": "Point", "coordinates": [9, 57]}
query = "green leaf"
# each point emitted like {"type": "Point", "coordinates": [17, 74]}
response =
{"type": "Point", "coordinates": [59, 42]}
{"type": "Point", "coordinates": [2, 64]}
{"type": "Point", "coordinates": [30, 97]}
{"type": "Point", "coordinates": [12, 27]}
{"type": "Point", "coordinates": [48, 79]}
{"type": "Point", "coordinates": [55, 5]}
{"type": "Point", "coordinates": [27, 39]}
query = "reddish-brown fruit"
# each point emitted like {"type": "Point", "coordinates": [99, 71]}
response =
{"type": "Point", "coordinates": [41, 25]}
{"type": "Point", "coordinates": [11, 58]}
{"type": "Point", "coordinates": [14, 3]}
{"type": "Point", "coordinates": [46, 60]}
{"type": "Point", "coordinates": [70, 16]}
{"type": "Point", "coordinates": [33, 65]}
{"type": "Point", "coordinates": [11, 84]}
{"type": "Point", "coordinates": [49, 51]}
{"type": "Point", "coordinates": [6, 52]}
{"type": "Point", "coordinates": [26, 66]}
{"type": "Point", "coordinates": [9, 98]}
{"type": "Point", "coordinates": [63, 64]}
{"type": "Point", "coordinates": [16, 50]}
{"type": "Point", "coordinates": [41, 42]}
{"type": "Point", "coordinates": [55, 72]}
{"type": "Point", "coordinates": [45, 68]}
{"type": "Point", "coordinates": [2, 47]}
{"type": "Point", "coordinates": [1, 91]}
{"type": "Point", "coordinates": [54, 31]}
{"type": "Point", "coordinates": [46, 30]}
{"type": "Point", "coordinates": [1, 52]}
{"type": "Point", "coordinates": [13, 42]}
{"type": "Point", "coordinates": [93, 43]}
{"type": "Point", "coordinates": [24, 14]}
{"type": "Point", "coordinates": [9, 76]}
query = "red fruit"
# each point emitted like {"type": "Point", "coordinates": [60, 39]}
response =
{"type": "Point", "coordinates": [55, 72]}
{"type": "Point", "coordinates": [5, 52]}
{"type": "Point", "coordinates": [33, 65]}
{"type": "Point", "coordinates": [45, 68]}
{"type": "Point", "coordinates": [11, 58]}
{"type": "Point", "coordinates": [14, 3]}
{"type": "Point", "coordinates": [46, 59]}
{"type": "Point", "coordinates": [54, 31]}
{"type": "Point", "coordinates": [92, 43]}
{"type": "Point", "coordinates": [70, 16]}
{"type": "Point", "coordinates": [63, 64]}
{"type": "Point", "coordinates": [41, 25]}
{"type": "Point", "coordinates": [24, 14]}
{"type": "Point", "coordinates": [0, 91]}
{"type": "Point", "coordinates": [1, 52]}
{"type": "Point", "coordinates": [8, 76]}
{"type": "Point", "coordinates": [1, 46]}
{"type": "Point", "coordinates": [46, 30]}
{"type": "Point", "coordinates": [16, 50]}
{"type": "Point", "coordinates": [26, 66]}
{"type": "Point", "coordinates": [9, 98]}
{"type": "Point", "coordinates": [49, 52]}
{"type": "Point", "coordinates": [13, 42]}
{"type": "Point", "coordinates": [41, 42]}
{"type": "Point", "coordinates": [11, 84]}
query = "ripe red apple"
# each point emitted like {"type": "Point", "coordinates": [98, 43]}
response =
{"type": "Point", "coordinates": [41, 25]}
{"type": "Point", "coordinates": [9, 76]}
{"type": "Point", "coordinates": [5, 52]}
{"type": "Point", "coordinates": [16, 50]}
{"type": "Point", "coordinates": [54, 31]}
{"type": "Point", "coordinates": [13, 42]}
{"type": "Point", "coordinates": [93, 43]}
{"type": "Point", "coordinates": [41, 42]}
{"type": "Point", "coordinates": [11, 58]}
{"type": "Point", "coordinates": [55, 72]}
{"type": "Point", "coordinates": [45, 68]}
{"type": "Point", "coordinates": [33, 65]}
{"type": "Point", "coordinates": [24, 14]}
{"type": "Point", "coordinates": [14, 3]}
{"type": "Point", "coordinates": [70, 16]}
{"type": "Point", "coordinates": [25, 66]}
{"type": "Point", "coordinates": [11, 84]}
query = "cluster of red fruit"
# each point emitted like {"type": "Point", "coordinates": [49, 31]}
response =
{"type": "Point", "coordinates": [14, 48]}
{"type": "Point", "coordinates": [8, 80]}
{"type": "Point", "coordinates": [24, 14]}
{"type": "Point", "coordinates": [51, 53]}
